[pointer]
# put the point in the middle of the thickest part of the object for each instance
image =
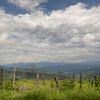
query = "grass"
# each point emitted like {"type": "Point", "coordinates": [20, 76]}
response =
{"type": "Point", "coordinates": [50, 93]}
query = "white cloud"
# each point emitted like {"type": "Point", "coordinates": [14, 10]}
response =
{"type": "Point", "coordinates": [70, 35]}
{"type": "Point", "coordinates": [3, 37]}
{"type": "Point", "coordinates": [89, 37]}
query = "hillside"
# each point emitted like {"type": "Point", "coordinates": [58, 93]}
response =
{"type": "Point", "coordinates": [53, 67]}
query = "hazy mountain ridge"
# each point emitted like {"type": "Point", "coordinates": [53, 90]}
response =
{"type": "Point", "coordinates": [54, 67]}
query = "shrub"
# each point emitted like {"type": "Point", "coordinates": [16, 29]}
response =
{"type": "Point", "coordinates": [66, 84]}
{"type": "Point", "coordinates": [52, 85]}
{"type": "Point", "coordinates": [8, 85]}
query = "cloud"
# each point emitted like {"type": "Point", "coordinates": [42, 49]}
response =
{"type": "Point", "coordinates": [27, 4]}
{"type": "Point", "coordinates": [89, 37]}
{"type": "Point", "coordinates": [70, 35]}
{"type": "Point", "coordinates": [3, 37]}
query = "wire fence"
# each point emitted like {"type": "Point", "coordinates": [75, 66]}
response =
{"type": "Point", "coordinates": [15, 75]}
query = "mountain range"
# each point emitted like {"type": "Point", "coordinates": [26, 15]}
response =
{"type": "Point", "coordinates": [55, 67]}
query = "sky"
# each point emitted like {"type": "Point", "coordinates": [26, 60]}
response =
{"type": "Point", "coordinates": [49, 31]}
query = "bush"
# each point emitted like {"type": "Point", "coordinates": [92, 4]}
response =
{"type": "Point", "coordinates": [66, 84]}
{"type": "Point", "coordinates": [8, 85]}
{"type": "Point", "coordinates": [52, 85]}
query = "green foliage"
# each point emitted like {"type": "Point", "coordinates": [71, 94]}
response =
{"type": "Point", "coordinates": [70, 91]}
{"type": "Point", "coordinates": [97, 82]}
{"type": "Point", "coordinates": [67, 84]}
{"type": "Point", "coordinates": [37, 95]}
{"type": "Point", "coordinates": [52, 85]}
{"type": "Point", "coordinates": [7, 85]}
{"type": "Point", "coordinates": [1, 87]}
{"type": "Point", "coordinates": [51, 94]}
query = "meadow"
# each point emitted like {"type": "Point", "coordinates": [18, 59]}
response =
{"type": "Point", "coordinates": [50, 90]}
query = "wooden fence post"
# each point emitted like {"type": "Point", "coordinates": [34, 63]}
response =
{"type": "Point", "coordinates": [96, 83]}
{"type": "Point", "coordinates": [56, 81]}
{"type": "Point", "coordinates": [37, 78]}
{"type": "Point", "coordinates": [80, 80]}
{"type": "Point", "coordinates": [73, 78]}
{"type": "Point", "coordinates": [92, 82]}
{"type": "Point", "coordinates": [89, 80]}
{"type": "Point", "coordinates": [43, 80]}
{"type": "Point", "coordinates": [1, 77]}
{"type": "Point", "coordinates": [14, 76]}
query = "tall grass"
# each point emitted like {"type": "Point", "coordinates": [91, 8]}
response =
{"type": "Point", "coordinates": [51, 94]}
{"type": "Point", "coordinates": [48, 93]}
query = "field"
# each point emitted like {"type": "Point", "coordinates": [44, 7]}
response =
{"type": "Point", "coordinates": [49, 90]}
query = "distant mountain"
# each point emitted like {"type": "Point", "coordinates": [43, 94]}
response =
{"type": "Point", "coordinates": [20, 65]}
{"type": "Point", "coordinates": [28, 70]}
{"type": "Point", "coordinates": [55, 67]}
{"type": "Point", "coordinates": [69, 68]}
{"type": "Point", "coordinates": [92, 71]}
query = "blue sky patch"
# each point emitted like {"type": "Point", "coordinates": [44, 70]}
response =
{"type": "Point", "coordinates": [48, 6]}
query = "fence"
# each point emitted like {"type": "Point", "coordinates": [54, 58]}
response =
{"type": "Point", "coordinates": [14, 75]}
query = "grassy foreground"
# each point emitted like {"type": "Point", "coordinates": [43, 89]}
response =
{"type": "Point", "coordinates": [48, 93]}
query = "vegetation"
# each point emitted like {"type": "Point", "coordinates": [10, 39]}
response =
{"type": "Point", "coordinates": [67, 90]}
